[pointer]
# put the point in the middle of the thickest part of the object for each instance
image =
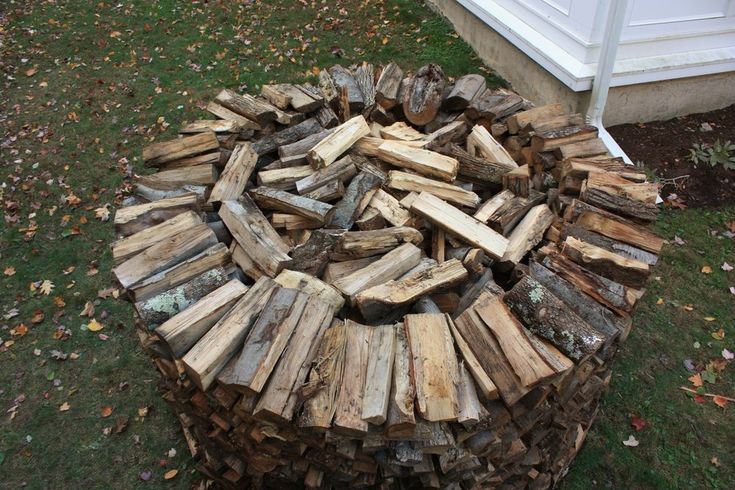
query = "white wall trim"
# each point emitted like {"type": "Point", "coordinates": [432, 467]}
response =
{"type": "Point", "coordinates": [578, 75]}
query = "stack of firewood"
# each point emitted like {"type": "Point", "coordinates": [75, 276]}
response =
{"type": "Point", "coordinates": [386, 280]}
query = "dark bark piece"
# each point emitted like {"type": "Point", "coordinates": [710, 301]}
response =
{"type": "Point", "coordinates": [365, 79]}
{"type": "Point", "coordinates": [424, 94]}
{"type": "Point", "coordinates": [465, 89]}
{"type": "Point", "coordinates": [302, 147]}
{"type": "Point", "coordinates": [547, 316]}
{"type": "Point", "coordinates": [312, 257]}
{"type": "Point", "coordinates": [626, 271]}
{"type": "Point", "coordinates": [356, 198]}
{"type": "Point", "coordinates": [608, 244]}
{"type": "Point", "coordinates": [494, 104]}
{"type": "Point", "coordinates": [474, 168]}
{"type": "Point", "coordinates": [286, 136]}
{"type": "Point", "coordinates": [290, 203]}
{"type": "Point", "coordinates": [343, 169]}
{"type": "Point", "coordinates": [344, 80]}
{"type": "Point", "coordinates": [246, 105]}
{"type": "Point", "coordinates": [158, 154]}
{"type": "Point", "coordinates": [597, 316]}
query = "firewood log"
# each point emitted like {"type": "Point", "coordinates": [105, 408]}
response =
{"type": "Point", "coordinates": [424, 94]}
{"type": "Point", "coordinates": [386, 89]}
{"type": "Point", "coordinates": [167, 151]}
{"type": "Point", "coordinates": [464, 91]}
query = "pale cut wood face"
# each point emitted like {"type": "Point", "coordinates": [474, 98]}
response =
{"type": "Point", "coordinates": [390, 275]}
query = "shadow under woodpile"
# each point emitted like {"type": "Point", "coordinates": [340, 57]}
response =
{"type": "Point", "coordinates": [388, 279]}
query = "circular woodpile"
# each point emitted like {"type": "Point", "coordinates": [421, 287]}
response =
{"type": "Point", "coordinates": [387, 280]}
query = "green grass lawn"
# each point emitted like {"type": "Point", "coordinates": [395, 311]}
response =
{"type": "Point", "coordinates": [86, 85]}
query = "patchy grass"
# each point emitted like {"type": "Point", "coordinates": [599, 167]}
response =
{"type": "Point", "coordinates": [86, 85]}
{"type": "Point", "coordinates": [681, 437]}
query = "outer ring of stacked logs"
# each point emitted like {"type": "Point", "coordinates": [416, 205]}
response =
{"type": "Point", "coordinates": [386, 280]}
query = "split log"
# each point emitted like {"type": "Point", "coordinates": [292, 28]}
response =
{"type": "Point", "coordinates": [348, 413]}
{"type": "Point", "coordinates": [331, 191]}
{"type": "Point", "coordinates": [613, 226]}
{"type": "Point", "coordinates": [290, 203]}
{"type": "Point", "coordinates": [344, 80]}
{"type": "Point", "coordinates": [465, 89]}
{"type": "Point", "coordinates": [284, 179]}
{"type": "Point", "coordinates": [424, 94]}
{"type": "Point", "coordinates": [462, 226]}
{"type": "Point", "coordinates": [365, 79]}
{"type": "Point", "coordinates": [377, 301]}
{"type": "Point", "coordinates": [386, 90]}
{"type": "Point", "coordinates": [597, 316]}
{"type": "Point", "coordinates": [287, 136]}
{"type": "Point", "coordinates": [225, 113]}
{"type": "Point", "coordinates": [359, 244]}
{"type": "Point", "coordinates": [209, 355]}
{"type": "Point", "coordinates": [489, 355]}
{"type": "Point", "coordinates": [337, 270]}
{"type": "Point", "coordinates": [503, 212]}
{"type": "Point", "coordinates": [484, 383]}
{"type": "Point", "coordinates": [626, 271]}
{"type": "Point", "coordinates": [255, 235]}
{"type": "Point", "coordinates": [435, 366]}
{"type": "Point", "coordinates": [127, 247]}
{"type": "Point", "coordinates": [438, 245]}
{"type": "Point", "coordinates": [293, 222]}
{"type": "Point", "coordinates": [151, 194]}
{"type": "Point", "coordinates": [390, 266]}
{"type": "Point", "coordinates": [528, 365]}
{"type": "Point", "coordinates": [520, 120]}
{"type": "Point", "coordinates": [266, 341]}
{"type": "Point", "coordinates": [246, 263]}
{"type": "Point", "coordinates": [551, 140]}
{"type": "Point", "coordinates": [299, 149]}
{"type": "Point", "coordinates": [248, 106]}
{"type": "Point", "coordinates": [327, 87]}
{"type": "Point", "coordinates": [216, 126]}
{"type": "Point", "coordinates": [471, 410]}
{"type": "Point", "coordinates": [422, 161]}
{"type": "Point", "coordinates": [389, 208]}
{"type": "Point", "coordinates": [335, 144]}
{"type": "Point", "coordinates": [182, 331]}
{"type": "Point", "coordinates": [379, 374]}
{"type": "Point", "coordinates": [552, 123]}
{"type": "Point", "coordinates": [215, 256]}
{"type": "Point", "coordinates": [547, 316]}
{"type": "Point", "coordinates": [620, 196]}
{"type": "Point", "coordinates": [518, 181]}
{"type": "Point", "coordinates": [448, 192]}
{"type": "Point", "coordinates": [235, 176]}
{"type": "Point", "coordinates": [581, 149]}
{"type": "Point", "coordinates": [529, 232]}
{"type": "Point", "coordinates": [473, 259]}
{"type": "Point", "coordinates": [401, 420]}
{"type": "Point", "coordinates": [296, 96]}
{"type": "Point", "coordinates": [368, 145]}
{"type": "Point", "coordinates": [607, 243]}
{"type": "Point", "coordinates": [160, 308]}
{"type": "Point", "coordinates": [475, 168]}
{"type": "Point", "coordinates": [342, 170]}
{"type": "Point", "coordinates": [357, 196]}
{"type": "Point", "coordinates": [132, 219]}
{"type": "Point", "coordinates": [619, 298]}
{"type": "Point", "coordinates": [312, 256]}
{"type": "Point", "coordinates": [325, 380]}
{"type": "Point", "coordinates": [164, 254]}
{"type": "Point", "coordinates": [172, 179]}
{"type": "Point", "coordinates": [400, 131]}
{"type": "Point", "coordinates": [481, 143]}
{"type": "Point", "coordinates": [280, 398]}
{"type": "Point", "coordinates": [168, 151]}
{"type": "Point", "coordinates": [495, 104]}
{"type": "Point", "coordinates": [454, 131]}
{"type": "Point", "coordinates": [311, 285]}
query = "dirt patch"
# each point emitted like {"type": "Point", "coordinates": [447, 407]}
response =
{"type": "Point", "coordinates": [663, 146]}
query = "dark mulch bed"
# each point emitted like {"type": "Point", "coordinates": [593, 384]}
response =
{"type": "Point", "coordinates": [663, 146]}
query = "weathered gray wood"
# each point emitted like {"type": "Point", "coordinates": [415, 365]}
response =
{"type": "Point", "coordinates": [286, 136]}
{"type": "Point", "coordinates": [343, 169]}
{"type": "Point", "coordinates": [246, 105]}
{"type": "Point", "coordinates": [401, 419]}
{"type": "Point", "coordinates": [379, 374]}
{"type": "Point", "coordinates": [342, 77]}
{"type": "Point", "coordinates": [291, 203]}
{"type": "Point", "coordinates": [252, 231]}
{"type": "Point", "coordinates": [359, 244]}
{"type": "Point", "coordinates": [465, 89]}
{"type": "Point", "coordinates": [303, 146]}
{"type": "Point", "coordinates": [386, 90]}
{"type": "Point", "coordinates": [424, 94]}
{"type": "Point", "coordinates": [547, 316]}
{"type": "Point", "coordinates": [231, 183]}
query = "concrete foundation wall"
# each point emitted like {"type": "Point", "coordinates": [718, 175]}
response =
{"type": "Point", "coordinates": [627, 104]}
